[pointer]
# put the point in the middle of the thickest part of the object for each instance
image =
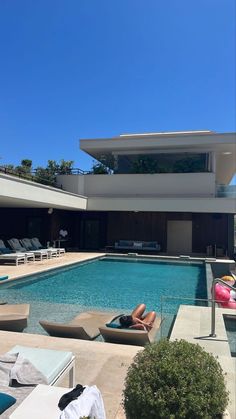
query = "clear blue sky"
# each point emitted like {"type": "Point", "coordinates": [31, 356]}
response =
{"type": "Point", "coordinates": [74, 69]}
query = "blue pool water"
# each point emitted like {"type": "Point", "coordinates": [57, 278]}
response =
{"type": "Point", "coordinates": [110, 284]}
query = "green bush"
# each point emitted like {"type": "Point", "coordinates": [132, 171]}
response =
{"type": "Point", "coordinates": [170, 380]}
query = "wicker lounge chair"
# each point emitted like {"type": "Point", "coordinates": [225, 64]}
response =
{"type": "Point", "coordinates": [130, 336]}
{"type": "Point", "coordinates": [14, 317]}
{"type": "Point", "coordinates": [84, 326]}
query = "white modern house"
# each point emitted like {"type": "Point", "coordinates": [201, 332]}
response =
{"type": "Point", "coordinates": [169, 187]}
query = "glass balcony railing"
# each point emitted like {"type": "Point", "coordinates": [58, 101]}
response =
{"type": "Point", "coordinates": [226, 191]}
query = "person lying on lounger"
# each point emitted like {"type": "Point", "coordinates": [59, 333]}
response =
{"type": "Point", "coordinates": [138, 320]}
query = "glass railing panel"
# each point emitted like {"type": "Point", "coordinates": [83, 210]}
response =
{"type": "Point", "coordinates": [169, 309]}
{"type": "Point", "coordinates": [226, 191]}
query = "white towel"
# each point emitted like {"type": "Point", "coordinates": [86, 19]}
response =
{"type": "Point", "coordinates": [89, 403]}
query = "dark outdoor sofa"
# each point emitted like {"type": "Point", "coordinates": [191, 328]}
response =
{"type": "Point", "coordinates": [137, 245]}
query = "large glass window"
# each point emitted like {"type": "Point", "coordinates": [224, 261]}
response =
{"type": "Point", "coordinates": [163, 163]}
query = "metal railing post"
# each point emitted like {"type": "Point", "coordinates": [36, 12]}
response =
{"type": "Point", "coordinates": [213, 311]}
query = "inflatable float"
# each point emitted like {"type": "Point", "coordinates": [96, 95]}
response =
{"type": "Point", "coordinates": [224, 296]}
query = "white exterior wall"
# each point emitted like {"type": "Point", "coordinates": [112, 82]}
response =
{"type": "Point", "coordinates": [167, 184]}
{"type": "Point", "coordinates": [72, 183]}
{"type": "Point", "coordinates": [202, 205]}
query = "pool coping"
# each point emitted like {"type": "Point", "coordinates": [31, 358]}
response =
{"type": "Point", "coordinates": [91, 257]}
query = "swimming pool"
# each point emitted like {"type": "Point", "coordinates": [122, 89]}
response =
{"type": "Point", "coordinates": [106, 284]}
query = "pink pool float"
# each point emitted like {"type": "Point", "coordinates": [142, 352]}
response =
{"type": "Point", "coordinates": [224, 296]}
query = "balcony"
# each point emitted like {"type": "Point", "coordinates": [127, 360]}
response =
{"type": "Point", "coordinates": [141, 185]}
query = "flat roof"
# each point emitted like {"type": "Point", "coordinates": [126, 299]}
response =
{"type": "Point", "coordinates": [168, 133]}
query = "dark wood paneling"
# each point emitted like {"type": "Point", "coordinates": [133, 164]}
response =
{"type": "Point", "coordinates": [98, 218]}
{"type": "Point", "coordinates": [209, 229]}
{"type": "Point", "coordinates": [14, 222]}
{"type": "Point", "coordinates": [146, 226]}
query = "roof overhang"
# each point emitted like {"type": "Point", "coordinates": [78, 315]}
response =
{"type": "Point", "coordinates": [21, 193]}
{"type": "Point", "coordinates": [223, 144]}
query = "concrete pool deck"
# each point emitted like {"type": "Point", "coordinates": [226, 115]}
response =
{"type": "Point", "coordinates": [193, 324]}
{"type": "Point", "coordinates": [106, 364]}
{"type": "Point", "coordinates": [103, 364]}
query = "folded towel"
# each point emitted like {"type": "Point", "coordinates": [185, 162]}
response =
{"type": "Point", "coordinates": [90, 404]}
{"type": "Point", "coordinates": [16, 370]}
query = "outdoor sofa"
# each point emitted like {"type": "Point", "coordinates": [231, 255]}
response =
{"type": "Point", "coordinates": [137, 245]}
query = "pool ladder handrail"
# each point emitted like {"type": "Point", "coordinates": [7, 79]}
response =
{"type": "Point", "coordinates": [213, 304]}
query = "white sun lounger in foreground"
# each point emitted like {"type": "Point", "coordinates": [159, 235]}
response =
{"type": "Point", "coordinates": [34, 365]}
{"type": "Point", "coordinates": [53, 364]}
{"type": "Point", "coordinates": [42, 403]}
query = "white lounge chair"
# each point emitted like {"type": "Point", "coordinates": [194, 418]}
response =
{"type": "Point", "coordinates": [7, 255]}
{"type": "Point", "coordinates": [16, 248]}
{"type": "Point", "coordinates": [13, 257]}
{"type": "Point", "coordinates": [42, 403]}
{"type": "Point", "coordinates": [43, 253]}
{"type": "Point", "coordinates": [35, 241]}
{"type": "Point", "coordinates": [53, 366]}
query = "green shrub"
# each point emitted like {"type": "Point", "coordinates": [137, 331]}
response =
{"type": "Point", "coordinates": [170, 380]}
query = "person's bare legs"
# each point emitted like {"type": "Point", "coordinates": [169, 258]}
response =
{"type": "Point", "coordinates": [150, 318]}
{"type": "Point", "coordinates": [138, 311]}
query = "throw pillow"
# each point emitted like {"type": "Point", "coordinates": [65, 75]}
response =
{"type": "Point", "coordinates": [113, 325]}
{"type": "Point", "coordinates": [6, 401]}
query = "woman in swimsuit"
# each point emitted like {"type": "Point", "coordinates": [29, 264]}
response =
{"type": "Point", "coordinates": [137, 319]}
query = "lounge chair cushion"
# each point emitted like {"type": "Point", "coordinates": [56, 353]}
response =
{"type": "Point", "coordinates": [5, 251]}
{"type": "Point", "coordinates": [49, 362]}
{"type": "Point", "coordinates": [113, 325]}
{"type": "Point", "coordinates": [6, 401]}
